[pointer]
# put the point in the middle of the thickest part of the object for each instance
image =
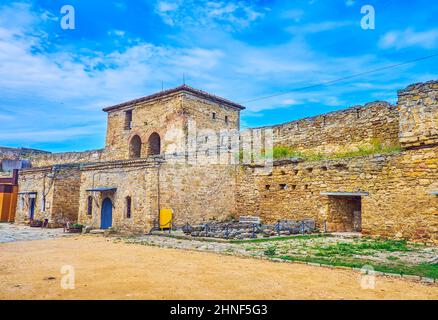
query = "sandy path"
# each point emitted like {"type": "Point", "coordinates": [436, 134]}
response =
{"type": "Point", "coordinates": [108, 270]}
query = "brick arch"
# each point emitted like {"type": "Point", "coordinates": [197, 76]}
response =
{"type": "Point", "coordinates": [135, 144]}
{"type": "Point", "coordinates": [154, 144]}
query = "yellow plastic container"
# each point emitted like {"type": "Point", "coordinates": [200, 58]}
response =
{"type": "Point", "coordinates": [166, 218]}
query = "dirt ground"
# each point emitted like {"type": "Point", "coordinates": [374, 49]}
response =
{"type": "Point", "coordinates": [105, 269]}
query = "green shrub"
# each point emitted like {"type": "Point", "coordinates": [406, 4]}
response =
{"type": "Point", "coordinates": [270, 251]}
{"type": "Point", "coordinates": [283, 152]}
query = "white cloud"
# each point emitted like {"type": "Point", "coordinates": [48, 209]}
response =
{"type": "Point", "coordinates": [118, 33]}
{"type": "Point", "coordinates": [164, 6]}
{"type": "Point", "coordinates": [318, 27]}
{"type": "Point", "coordinates": [289, 102]}
{"type": "Point", "coordinates": [294, 14]}
{"type": "Point", "coordinates": [232, 15]}
{"type": "Point", "coordinates": [409, 38]}
{"type": "Point", "coordinates": [5, 117]}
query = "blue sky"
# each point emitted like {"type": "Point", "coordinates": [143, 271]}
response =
{"type": "Point", "coordinates": [54, 82]}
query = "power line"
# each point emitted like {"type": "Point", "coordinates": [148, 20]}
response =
{"type": "Point", "coordinates": [327, 83]}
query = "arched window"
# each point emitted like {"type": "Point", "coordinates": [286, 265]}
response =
{"type": "Point", "coordinates": [90, 205]}
{"type": "Point", "coordinates": [128, 207]}
{"type": "Point", "coordinates": [135, 147]}
{"type": "Point", "coordinates": [154, 144]}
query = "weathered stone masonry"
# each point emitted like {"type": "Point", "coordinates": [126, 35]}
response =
{"type": "Point", "coordinates": [399, 186]}
{"type": "Point", "coordinates": [399, 201]}
{"type": "Point", "coordinates": [55, 190]}
{"type": "Point", "coordinates": [388, 195]}
{"type": "Point", "coordinates": [340, 130]}
{"type": "Point", "coordinates": [152, 185]}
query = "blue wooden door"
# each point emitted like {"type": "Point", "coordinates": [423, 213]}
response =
{"type": "Point", "coordinates": [31, 208]}
{"type": "Point", "coordinates": [106, 214]}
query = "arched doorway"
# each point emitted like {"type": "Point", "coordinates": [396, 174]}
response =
{"type": "Point", "coordinates": [135, 147]}
{"type": "Point", "coordinates": [154, 144]}
{"type": "Point", "coordinates": [106, 215]}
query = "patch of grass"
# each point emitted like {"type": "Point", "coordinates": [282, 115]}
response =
{"type": "Point", "coordinates": [428, 269]}
{"type": "Point", "coordinates": [376, 147]}
{"type": "Point", "coordinates": [423, 270]}
{"type": "Point", "coordinates": [280, 152]}
{"type": "Point", "coordinates": [328, 261]}
{"type": "Point", "coordinates": [392, 258]}
{"type": "Point", "coordinates": [300, 237]}
{"type": "Point", "coordinates": [362, 248]}
{"type": "Point", "coordinates": [283, 152]}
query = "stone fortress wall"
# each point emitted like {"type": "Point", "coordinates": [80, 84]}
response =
{"type": "Point", "coordinates": [418, 106]}
{"type": "Point", "coordinates": [40, 158]}
{"type": "Point", "coordinates": [43, 160]}
{"type": "Point", "coordinates": [341, 130]}
{"type": "Point", "coordinates": [17, 153]}
{"type": "Point", "coordinates": [393, 192]}
{"type": "Point", "coordinates": [399, 186]}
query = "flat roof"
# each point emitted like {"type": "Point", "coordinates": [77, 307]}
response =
{"type": "Point", "coordinates": [27, 192]}
{"type": "Point", "coordinates": [6, 188]}
{"type": "Point", "coordinates": [345, 194]}
{"type": "Point", "coordinates": [102, 189]}
{"type": "Point", "coordinates": [183, 88]}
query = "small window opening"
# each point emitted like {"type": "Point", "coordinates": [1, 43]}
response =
{"type": "Point", "coordinates": [283, 173]}
{"type": "Point", "coordinates": [294, 186]}
{"type": "Point", "coordinates": [306, 186]}
{"type": "Point", "coordinates": [295, 172]}
{"type": "Point", "coordinates": [128, 120]}
{"type": "Point", "coordinates": [213, 115]}
{"type": "Point", "coordinates": [341, 166]}
{"type": "Point", "coordinates": [324, 168]}
{"type": "Point", "coordinates": [128, 207]}
{"type": "Point", "coordinates": [90, 205]}
{"type": "Point", "coordinates": [226, 119]}
{"type": "Point", "coordinates": [43, 203]}
{"type": "Point", "coordinates": [309, 170]}
{"type": "Point", "coordinates": [283, 186]}
{"type": "Point", "coordinates": [267, 187]}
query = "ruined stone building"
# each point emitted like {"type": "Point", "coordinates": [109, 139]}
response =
{"type": "Point", "coordinates": [143, 168]}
